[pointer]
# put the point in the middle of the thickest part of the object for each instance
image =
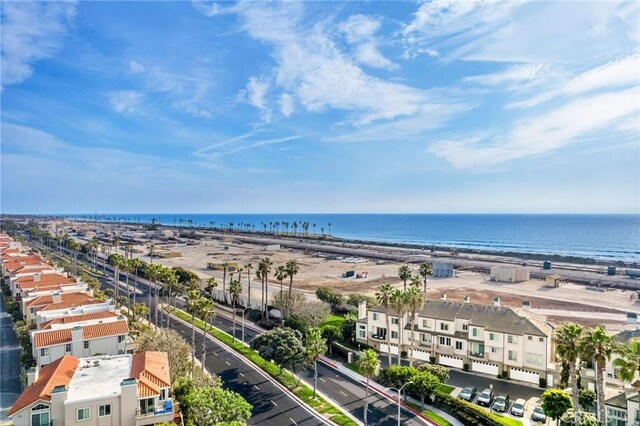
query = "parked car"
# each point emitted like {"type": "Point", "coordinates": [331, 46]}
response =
{"type": "Point", "coordinates": [485, 398]}
{"type": "Point", "coordinates": [501, 404]}
{"type": "Point", "coordinates": [538, 415]}
{"type": "Point", "coordinates": [518, 407]}
{"type": "Point", "coordinates": [468, 393]}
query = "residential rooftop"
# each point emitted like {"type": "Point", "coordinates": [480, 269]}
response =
{"type": "Point", "coordinates": [98, 376]}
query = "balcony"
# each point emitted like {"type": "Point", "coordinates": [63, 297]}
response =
{"type": "Point", "coordinates": [163, 412]}
{"type": "Point", "coordinates": [478, 355]}
{"type": "Point", "coordinates": [379, 337]}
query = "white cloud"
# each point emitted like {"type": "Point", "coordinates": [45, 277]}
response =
{"type": "Point", "coordinates": [360, 30]}
{"type": "Point", "coordinates": [513, 74]}
{"type": "Point", "coordinates": [126, 101]}
{"type": "Point", "coordinates": [575, 121]}
{"type": "Point", "coordinates": [136, 67]}
{"type": "Point", "coordinates": [287, 104]}
{"type": "Point", "coordinates": [31, 31]}
{"type": "Point", "coordinates": [368, 54]}
{"type": "Point", "coordinates": [256, 91]}
{"type": "Point", "coordinates": [241, 143]}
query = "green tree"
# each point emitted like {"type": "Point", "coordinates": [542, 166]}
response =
{"type": "Point", "coordinates": [414, 302]}
{"type": "Point", "coordinates": [424, 384]}
{"type": "Point", "coordinates": [330, 296]}
{"type": "Point", "coordinates": [211, 285]}
{"type": "Point", "coordinates": [280, 274]}
{"type": "Point", "coordinates": [383, 296]}
{"type": "Point", "coordinates": [169, 341]}
{"type": "Point", "coordinates": [332, 333]}
{"type": "Point", "coordinates": [235, 290]}
{"type": "Point", "coordinates": [368, 365]}
{"type": "Point", "coordinates": [629, 362]}
{"type": "Point", "coordinates": [216, 406]}
{"type": "Point", "coordinates": [568, 348]}
{"type": "Point", "coordinates": [264, 269]}
{"type": "Point", "coordinates": [441, 373]}
{"type": "Point", "coordinates": [248, 267]}
{"type": "Point", "coordinates": [283, 346]}
{"type": "Point", "coordinates": [425, 271]}
{"type": "Point", "coordinates": [598, 346]}
{"type": "Point", "coordinates": [404, 273]}
{"type": "Point", "coordinates": [206, 308]}
{"type": "Point", "coordinates": [555, 402]}
{"type": "Point", "coordinates": [316, 347]}
{"type": "Point", "coordinates": [399, 303]}
{"type": "Point", "coordinates": [225, 267]}
{"type": "Point", "coordinates": [139, 310]}
{"type": "Point", "coordinates": [355, 299]}
{"type": "Point", "coordinates": [349, 326]}
{"type": "Point", "coordinates": [193, 301]}
{"type": "Point", "coordinates": [586, 398]}
{"type": "Point", "coordinates": [585, 419]}
{"type": "Point", "coordinates": [291, 268]}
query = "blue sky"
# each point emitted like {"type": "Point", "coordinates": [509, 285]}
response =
{"type": "Point", "coordinates": [439, 106]}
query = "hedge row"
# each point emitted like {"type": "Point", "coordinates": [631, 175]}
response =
{"type": "Point", "coordinates": [470, 414]}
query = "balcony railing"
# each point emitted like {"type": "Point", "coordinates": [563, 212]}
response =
{"type": "Point", "coordinates": [165, 408]}
{"type": "Point", "coordinates": [477, 354]}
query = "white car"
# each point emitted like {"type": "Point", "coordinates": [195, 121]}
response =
{"type": "Point", "coordinates": [518, 407]}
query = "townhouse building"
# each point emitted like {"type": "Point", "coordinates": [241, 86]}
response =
{"type": "Point", "coordinates": [55, 302]}
{"type": "Point", "coordinates": [80, 339]}
{"type": "Point", "coordinates": [102, 391]}
{"type": "Point", "coordinates": [486, 339]}
{"type": "Point", "coordinates": [29, 283]}
{"type": "Point", "coordinates": [623, 409]}
{"type": "Point", "coordinates": [71, 313]}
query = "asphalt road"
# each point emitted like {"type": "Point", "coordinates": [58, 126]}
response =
{"type": "Point", "coordinates": [10, 352]}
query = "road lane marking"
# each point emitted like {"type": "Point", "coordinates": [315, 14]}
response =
{"type": "Point", "coordinates": [227, 362]}
{"type": "Point", "coordinates": [274, 403]}
{"type": "Point", "coordinates": [293, 421]}
{"type": "Point", "coordinates": [369, 410]}
{"type": "Point", "coordinates": [256, 387]}
{"type": "Point", "coordinates": [343, 393]}
{"type": "Point", "coordinates": [322, 380]}
{"type": "Point", "coordinates": [241, 374]}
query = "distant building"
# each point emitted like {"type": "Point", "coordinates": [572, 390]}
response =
{"type": "Point", "coordinates": [509, 274]}
{"type": "Point", "coordinates": [553, 281]}
{"type": "Point", "coordinates": [103, 390]}
{"type": "Point", "coordinates": [442, 269]}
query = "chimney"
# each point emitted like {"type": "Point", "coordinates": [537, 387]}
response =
{"type": "Point", "coordinates": [362, 309]}
{"type": "Point", "coordinates": [32, 375]}
{"type": "Point", "coordinates": [36, 277]}
{"type": "Point", "coordinates": [443, 296]}
{"type": "Point", "coordinates": [526, 305]}
{"type": "Point", "coordinates": [496, 302]}
{"type": "Point", "coordinates": [467, 299]}
{"type": "Point", "coordinates": [77, 334]}
{"type": "Point", "coordinates": [56, 297]}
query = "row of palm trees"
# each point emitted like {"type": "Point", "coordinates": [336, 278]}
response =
{"type": "Point", "coordinates": [575, 345]}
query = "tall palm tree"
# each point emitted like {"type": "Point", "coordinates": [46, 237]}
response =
{"type": "Point", "coordinates": [259, 277]}
{"type": "Point", "coordinates": [116, 262]}
{"type": "Point", "coordinates": [265, 269]}
{"type": "Point", "coordinates": [568, 347]}
{"type": "Point", "coordinates": [206, 308]}
{"type": "Point", "coordinates": [152, 273]}
{"type": "Point", "coordinates": [225, 266]}
{"type": "Point", "coordinates": [211, 284]}
{"type": "Point", "coordinates": [235, 290]}
{"type": "Point", "coordinates": [280, 274]}
{"type": "Point", "coordinates": [316, 347]}
{"type": "Point", "coordinates": [425, 271]}
{"type": "Point", "coordinates": [193, 301]}
{"type": "Point", "coordinates": [292, 269]}
{"type": "Point", "coordinates": [399, 304]}
{"type": "Point", "coordinates": [170, 279]}
{"type": "Point", "coordinates": [415, 302]}
{"type": "Point", "coordinates": [597, 345]}
{"type": "Point", "coordinates": [404, 273]}
{"type": "Point", "coordinates": [126, 268]}
{"type": "Point", "coordinates": [369, 364]}
{"type": "Point", "coordinates": [248, 267]}
{"type": "Point", "coordinates": [136, 265]}
{"type": "Point", "coordinates": [629, 362]}
{"type": "Point", "coordinates": [383, 297]}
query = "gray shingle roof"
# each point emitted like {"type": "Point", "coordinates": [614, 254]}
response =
{"type": "Point", "coordinates": [625, 336]}
{"type": "Point", "coordinates": [492, 318]}
{"type": "Point", "coordinates": [619, 401]}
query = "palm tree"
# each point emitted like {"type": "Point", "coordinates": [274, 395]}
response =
{"type": "Point", "coordinates": [369, 364]}
{"type": "Point", "coordinates": [383, 297]}
{"type": "Point", "coordinates": [135, 264]}
{"type": "Point", "coordinates": [425, 271]}
{"type": "Point", "coordinates": [207, 312]}
{"type": "Point", "coordinates": [597, 345]}
{"type": "Point", "coordinates": [316, 347]}
{"type": "Point", "coordinates": [399, 303]}
{"type": "Point", "coordinates": [568, 341]}
{"type": "Point", "coordinates": [404, 273]}
{"type": "Point", "coordinates": [280, 274]}
{"type": "Point", "coordinates": [265, 269]}
{"type": "Point", "coordinates": [126, 268]}
{"type": "Point", "coordinates": [415, 302]}
{"type": "Point", "coordinates": [116, 262]}
{"type": "Point", "coordinates": [193, 301]}
{"type": "Point", "coordinates": [248, 267]}
{"type": "Point", "coordinates": [235, 290]}
{"type": "Point", "coordinates": [152, 273]}
{"type": "Point", "coordinates": [170, 279]}
{"type": "Point", "coordinates": [225, 266]}
{"type": "Point", "coordinates": [211, 284]}
{"type": "Point", "coordinates": [629, 362]}
{"type": "Point", "coordinates": [292, 269]}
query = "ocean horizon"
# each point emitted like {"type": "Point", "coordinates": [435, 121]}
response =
{"type": "Point", "coordinates": [598, 236]}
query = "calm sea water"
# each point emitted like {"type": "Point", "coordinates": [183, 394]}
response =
{"type": "Point", "coordinates": [598, 236]}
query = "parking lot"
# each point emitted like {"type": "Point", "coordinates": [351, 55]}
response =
{"type": "Point", "coordinates": [530, 404]}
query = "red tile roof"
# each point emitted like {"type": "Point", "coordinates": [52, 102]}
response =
{"type": "Point", "coordinates": [57, 337]}
{"type": "Point", "coordinates": [73, 298]}
{"type": "Point", "coordinates": [152, 371]}
{"type": "Point", "coordinates": [29, 281]}
{"type": "Point", "coordinates": [77, 318]}
{"type": "Point", "coordinates": [57, 373]}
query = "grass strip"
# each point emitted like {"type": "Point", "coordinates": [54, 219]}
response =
{"type": "Point", "coordinates": [445, 388]}
{"type": "Point", "coordinates": [285, 378]}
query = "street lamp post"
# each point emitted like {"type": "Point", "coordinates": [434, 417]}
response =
{"type": "Point", "coordinates": [243, 311]}
{"type": "Point", "coordinates": [399, 401]}
{"type": "Point", "coordinates": [490, 404]}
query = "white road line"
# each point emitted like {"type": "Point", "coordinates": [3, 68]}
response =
{"type": "Point", "coordinates": [343, 393]}
{"type": "Point", "coordinates": [274, 403]}
{"type": "Point", "coordinates": [256, 387]}
{"type": "Point", "coordinates": [241, 374]}
{"type": "Point", "coordinates": [369, 410]}
{"type": "Point", "coordinates": [322, 380]}
{"type": "Point", "coordinates": [293, 421]}
{"type": "Point", "coordinates": [227, 362]}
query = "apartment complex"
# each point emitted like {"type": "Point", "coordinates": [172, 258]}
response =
{"type": "Point", "coordinates": [101, 390]}
{"type": "Point", "coordinates": [486, 339]}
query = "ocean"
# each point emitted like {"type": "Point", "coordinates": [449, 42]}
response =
{"type": "Point", "coordinates": [601, 236]}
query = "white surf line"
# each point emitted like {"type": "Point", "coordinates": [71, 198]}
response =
{"type": "Point", "coordinates": [293, 421]}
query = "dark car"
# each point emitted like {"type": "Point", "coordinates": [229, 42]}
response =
{"type": "Point", "coordinates": [501, 403]}
{"type": "Point", "coordinates": [468, 393]}
{"type": "Point", "coordinates": [538, 415]}
{"type": "Point", "coordinates": [485, 398]}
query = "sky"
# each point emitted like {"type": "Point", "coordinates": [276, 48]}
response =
{"type": "Point", "coordinates": [218, 107]}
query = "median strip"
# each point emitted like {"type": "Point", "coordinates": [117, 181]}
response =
{"type": "Point", "coordinates": [301, 389]}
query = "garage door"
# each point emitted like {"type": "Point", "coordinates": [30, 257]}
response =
{"type": "Point", "coordinates": [394, 348]}
{"type": "Point", "coordinates": [450, 361]}
{"type": "Point", "coordinates": [525, 376]}
{"type": "Point", "coordinates": [421, 355]}
{"type": "Point", "coordinates": [484, 367]}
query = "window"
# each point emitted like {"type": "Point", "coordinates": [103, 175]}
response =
{"type": "Point", "coordinates": [494, 350]}
{"type": "Point", "coordinates": [425, 324]}
{"type": "Point", "coordinates": [458, 345]}
{"type": "Point", "coordinates": [465, 327]}
{"type": "Point", "coordinates": [475, 332]}
{"type": "Point", "coordinates": [105, 410]}
{"type": "Point", "coordinates": [362, 333]}
{"type": "Point", "coordinates": [67, 348]}
{"type": "Point", "coordinates": [493, 336]}
{"type": "Point", "coordinates": [394, 334]}
{"type": "Point", "coordinates": [477, 349]}
{"type": "Point", "coordinates": [425, 338]}
{"type": "Point", "coordinates": [83, 414]}
{"type": "Point", "coordinates": [512, 339]}
{"type": "Point", "coordinates": [445, 341]}
{"type": "Point", "coordinates": [444, 326]}
{"type": "Point", "coordinates": [513, 356]}
{"type": "Point", "coordinates": [86, 344]}
{"type": "Point", "coordinates": [375, 316]}
{"type": "Point", "coordinates": [394, 321]}
{"type": "Point", "coordinates": [533, 358]}
{"type": "Point", "coordinates": [40, 419]}
{"type": "Point", "coordinates": [542, 339]}
{"type": "Point", "coordinates": [163, 394]}
{"type": "Point", "coordinates": [120, 339]}
{"type": "Point", "coordinates": [44, 352]}
{"type": "Point", "coordinates": [530, 338]}
{"type": "Point", "coordinates": [146, 406]}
